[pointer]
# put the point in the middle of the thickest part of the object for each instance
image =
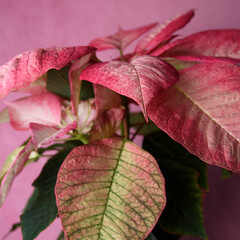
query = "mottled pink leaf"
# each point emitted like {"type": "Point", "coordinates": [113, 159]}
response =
{"type": "Point", "coordinates": [75, 84]}
{"type": "Point", "coordinates": [27, 67]}
{"type": "Point", "coordinates": [121, 39]}
{"type": "Point", "coordinates": [43, 108]}
{"type": "Point", "coordinates": [159, 51]}
{"type": "Point", "coordinates": [218, 43]}
{"type": "Point", "coordinates": [162, 31]}
{"type": "Point", "coordinates": [202, 112]}
{"type": "Point", "coordinates": [207, 59]}
{"type": "Point", "coordinates": [105, 99]}
{"type": "Point", "coordinates": [109, 189]}
{"type": "Point", "coordinates": [141, 79]}
{"type": "Point", "coordinates": [43, 135]}
{"type": "Point", "coordinates": [15, 169]}
{"type": "Point", "coordinates": [106, 125]}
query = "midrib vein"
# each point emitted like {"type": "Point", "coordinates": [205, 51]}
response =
{"type": "Point", "coordinates": [196, 104]}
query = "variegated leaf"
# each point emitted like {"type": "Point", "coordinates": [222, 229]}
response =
{"type": "Point", "coordinates": [109, 189]}
{"type": "Point", "coordinates": [202, 112]}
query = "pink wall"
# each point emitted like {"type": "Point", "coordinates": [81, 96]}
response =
{"type": "Point", "coordinates": [28, 24]}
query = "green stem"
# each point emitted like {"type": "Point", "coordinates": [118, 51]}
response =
{"type": "Point", "coordinates": [125, 130]}
{"type": "Point", "coordinates": [122, 55]}
{"type": "Point", "coordinates": [81, 138]}
{"type": "Point", "coordinates": [137, 131]}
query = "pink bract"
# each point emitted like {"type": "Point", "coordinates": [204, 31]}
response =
{"type": "Point", "coordinates": [218, 43]}
{"type": "Point", "coordinates": [105, 99]}
{"type": "Point", "coordinates": [42, 135]}
{"type": "Point", "coordinates": [14, 170]}
{"type": "Point", "coordinates": [27, 67]}
{"type": "Point", "coordinates": [75, 84]}
{"type": "Point", "coordinates": [43, 108]}
{"type": "Point", "coordinates": [106, 125]}
{"type": "Point", "coordinates": [202, 112]}
{"type": "Point", "coordinates": [163, 31]}
{"type": "Point", "coordinates": [141, 79]}
{"type": "Point", "coordinates": [121, 39]}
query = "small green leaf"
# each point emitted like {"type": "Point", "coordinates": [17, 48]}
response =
{"type": "Point", "coordinates": [166, 148]}
{"type": "Point", "coordinates": [61, 236]}
{"type": "Point", "coordinates": [41, 208]}
{"type": "Point", "coordinates": [109, 189]}
{"type": "Point", "coordinates": [13, 228]}
{"type": "Point", "coordinates": [58, 83]}
{"type": "Point", "coordinates": [183, 213]}
{"type": "Point", "coordinates": [160, 234]}
{"type": "Point", "coordinates": [86, 90]}
{"type": "Point", "coordinates": [226, 173]}
{"type": "Point", "coordinates": [179, 64]}
{"type": "Point", "coordinates": [151, 237]}
{"type": "Point", "coordinates": [142, 127]}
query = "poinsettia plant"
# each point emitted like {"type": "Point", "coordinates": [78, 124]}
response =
{"type": "Point", "coordinates": [97, 181]}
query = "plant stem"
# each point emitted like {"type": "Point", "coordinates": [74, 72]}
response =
{"type": "Point", "coordinates": [125, 130]}
{"type": "Point", "coordinates": [137, 131]}
{"type": "Point", "coordinates": [81, 138]}
{"type": "Point", "coordinates": [122, 55]}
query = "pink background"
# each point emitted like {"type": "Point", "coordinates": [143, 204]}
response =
{"type": "Point", "coordinates": [28, 24]}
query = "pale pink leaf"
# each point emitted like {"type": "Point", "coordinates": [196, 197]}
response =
{"type": "Point", "coordinates": [121, 39]}
{"type": "Point", "coordinates": [162, 31]}
{"type": "Point", "coordinates": [141, 79]}
{"type": "Point", "coordinates": [14, 170]}
{"type": "Point", "coordinates": [75, 83]}
{"type": "Point", "coordinates": [105, 99]}
{"type": "Point", "coordinates": [43, 135]}
{"type": "Point", "coordinates": [43, 108]}
{"type": "Point", "coordinates": [106, 124]}
{"type": "Point", "coordinates": [218, 43]}
{"type": "Point", "coordinates": [109, 189]}
{"type": "Point", "coordinates": [86, 115]}
{"type": "Point", "coordinates": [202, 112]}
{"type": "Point", "coordinates": [24, 69]}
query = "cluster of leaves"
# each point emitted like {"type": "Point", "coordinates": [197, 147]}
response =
{"type": "Point", "coordinates": [101, 184]}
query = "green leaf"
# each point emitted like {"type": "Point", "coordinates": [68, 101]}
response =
{"type": "Point", "coordinates": [138, 122]}
{"type": "Point", "coordinates": [86, 90]}
{"type": "Point", "coordinates": [160, 234]}
{"type": "Point", "coordinates": [109, 189]}
{"type": "Point", "coordinates": [183, 213]}
{"type": "Point", "coordinates": [58, 83]}
{"type": "Point", "coordinates": [151, 237]}
{"type": "Point", "coordinates": [226, 173]}
{"type": "Point", "coordinates": [166, 148]}
{"type": "Point", "coordinates": [41, 208]}
{"type": "Point", "coordinates": [61, 236]}
{"type": "Point", "coordinates": [179, 64]}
